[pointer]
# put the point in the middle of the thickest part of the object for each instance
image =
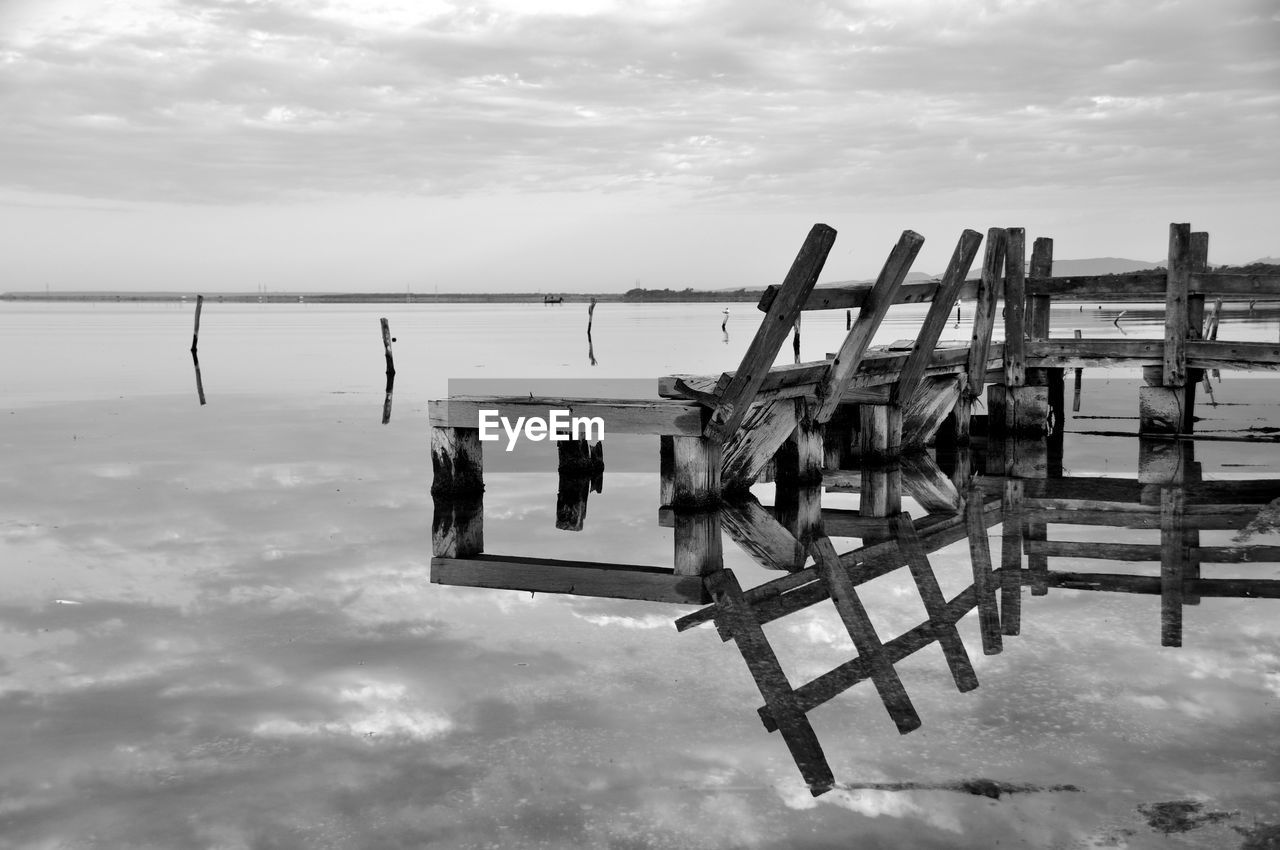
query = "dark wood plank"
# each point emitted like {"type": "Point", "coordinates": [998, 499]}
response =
{"type": "Point", "coordinates": [777, 323]}
{"type": "Point", "coordinates": [1175, 305]}
{"type": "Point", "coordinates": [1015, 307]}
{"type": "Point", "coordinates": [579, 578]}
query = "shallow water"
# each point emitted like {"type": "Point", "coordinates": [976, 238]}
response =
{"type": "Point", "coordinates": [217, 627]}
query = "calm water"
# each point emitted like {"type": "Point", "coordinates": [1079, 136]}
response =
{"type": "Point", "coordinates": [217, 627]}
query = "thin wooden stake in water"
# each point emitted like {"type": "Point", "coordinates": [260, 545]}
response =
{"type": "Point", "coordinates": [1075, 401]}
{"type": "Point", "coordinates": [195, 336]}
{"type": "Point", "coordinates": [386, 345]}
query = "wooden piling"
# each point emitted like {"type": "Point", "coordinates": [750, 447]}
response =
{"type": "Point", "coordinates": [195, 335]}
{"type": "Point", "coordinates": [386, 346]}
{"type": "Point", "coordinates": [1172, 561]}
{"type": "Point", "coordinates": [1176, 324]}
{"type": "Point", "coordinates": [695, 473]}
{"type": "Point", "coordinates": [984, 318]}
{"type": "Point", "coordinates": [1015, 298]}
{"type": "Point", "coordinates": [457, 526]}
{"type": "Point", "coordinates": [1075, 399]}
{"type": "Point", "coordinates": [195, 361]}
{"type": "Point", "coordinates": [984, 585]}
{"type": "Point", "coordinates": [1011, 559]}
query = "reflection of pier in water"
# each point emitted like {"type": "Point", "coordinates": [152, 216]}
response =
{"type": "Point", "coordinates": [795, 539]}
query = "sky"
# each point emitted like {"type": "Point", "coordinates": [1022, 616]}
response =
{"type": "Point", "coordinates": [596, 145]}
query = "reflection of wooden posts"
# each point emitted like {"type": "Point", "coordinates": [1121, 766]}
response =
{"type": "Point", "coordinates": [457, 462]}
{"type": "Point", "coordinates": [1172, 561]}
{"type": "Point", "coordinates": [1039, 326]}
{"type": "Point", "coordinates": [984, 318]}
{"type": "Point", "coordinates": [734, 618]}
{"type": "Point", "coordinates": [1011, 559]}
{"type": "Point", "coordinates": [695, 473]}
{"type": "Point", "coordinates": [591, 348]}
{"type": "Point", "coordinates": [883, 675]}
{"type": "Point", "coordinates": [581, 470]}
{"type": "Point", "coordinates": [195, 335]}
{"type": "Point", "coordinates": [758, 533]}
{"type": "Point", "coordinates": [457, 526]}
{"type": "Point", "coordinates": [935, 604]}
{"type": "Point", "coordinates": [698, 547]}
{"type": "Point", "coordinates": [798, 508]}
{"type": "Point", "coordinates": [1075, 398]}
{"type": "Point", "coordinates": [983, 579]}
{"type": "Point", "coordinates": [1017, 407]}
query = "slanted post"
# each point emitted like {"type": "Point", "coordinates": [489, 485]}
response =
{"type": "Point", "coordinates": [1162, 407]}
{"type": "Point", "coordinates": [984, 318]}
{"type": "Point", "coordinates": [195, 334]}
{"type": "Point", "coordinates": [1039, 326]}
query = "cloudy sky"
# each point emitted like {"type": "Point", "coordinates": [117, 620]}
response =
{"type": "Point", "coordinates": [591, 144]}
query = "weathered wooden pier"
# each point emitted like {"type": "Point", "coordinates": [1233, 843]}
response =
{"type": "Point", "coordinates": [857, 421]}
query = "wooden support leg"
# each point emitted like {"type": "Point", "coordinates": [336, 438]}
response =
{"type": "Point", "coordinates": [1019, 411]}
{"type": "Point", "coordinates": [879, 432]}
{"type": "Point", "coordinates": [799, 510]}
{"type": "Point", "coordinates": [666, 471]}
{"type": "Point", "coordinates": [923, 415]}
{"type": "Point", "coordinates": [457, 463]}
{"type": "Point", "coordinates": [800, 458]}
{"type": "Point", "coordinates": [695, 473]}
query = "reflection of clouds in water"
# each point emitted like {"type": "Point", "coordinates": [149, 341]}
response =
{"type": "Point", "coordinates": [645, 622]}
{"type": "Point", "coordinates": [370, 709]}
{"type": "Point", "coordinates": [874, 804]}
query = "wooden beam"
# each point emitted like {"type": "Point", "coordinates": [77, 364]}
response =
{"type": "Point", "coordinates": [854, 296]}
{"type": "Point", "coordinates": [761, 536]}
{"type": "Point", "coordinates": [775, 326]}
{"type": "Point", "coordinates": [764, 429]}
{"type": "Point", "coordinates": [1015, 306]}
{"type": "Point", "coordinates": [864, 328]}
{"type": "Point", "coordinates": [984, 318]}
{"type": "Point", "coordinates": [1175, 305]}
{"type": "Point", "coordinates": [695, 473]}
{"type": "Point", "coordinates": [939, 314]}
{"type": "Point", "coordinates": [1173, 560]}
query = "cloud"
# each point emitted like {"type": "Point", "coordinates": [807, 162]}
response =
{"type": "Point", "coordinates": [236, 100]}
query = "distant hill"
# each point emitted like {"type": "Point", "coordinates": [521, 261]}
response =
{"type": "Point", "coordinates": [1099, 265]}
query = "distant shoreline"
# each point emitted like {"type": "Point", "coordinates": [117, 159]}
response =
{"type": "Point", "coordinates": [634, 297]}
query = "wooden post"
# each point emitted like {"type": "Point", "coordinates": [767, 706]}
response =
{"type": "Point", "coordinates": [781, 316]}
{"type": "Point", "coordinates": [1176, 324]}
{"type": "Point", "coordinates": [984, 318]}
{"type": "Point", "coordinates": [457, 463]}
{"type": "Point", "coordinates": [695, 474]}
{"type": "Point", "coordinates": [1075, 400]}
{"type": "Point", "coordinates": [195, 335]}
{"type": "Point", "coordinates": [457, 526]}
{"type": "Point", "coordinates": [699, 550]}
{"type": "Point", "coordinates": [1011, 559]}
{"type": "Point", "coordinates": [879, 432]}
{"type": "Point", "coordinates": [666, 471]}
{"type": "Point", "coordinates": [799, 460]}
{"type": "Point", "coordinates": [798, 508]}
{"type": "Point", "coordinates": [1199, 259]}
{"type": "Point", "coordinates": [874, 309]}
{"type": "Point", "coordinates": [1015, 297]}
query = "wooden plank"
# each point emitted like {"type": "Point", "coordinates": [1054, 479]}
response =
{"type": "Point", "coordinates": [777, 322]}
{"type": "Point", "coordinates": [984, 318]}
{"type": "Point", "coordinates": [924, 414]}
{"type": "Point", "coordinates": [733, 611]}
{"type": "Point", "coordinates": [578, 578]}
{"type": "Point", "coordinates": [863, 634]}
{"type": "Point", "coordinates": [1254, 287]}
{"type": "Point", "coordinates": [1175, 305]}
{"type": "Point", "coordinates": [1151, 585]}
{"type": "Point", "coordinates": [1100, 551]}
{"type": "Point", "coordinates": [1149, 287]}
{"type": "Point", "coordinates": [869, 318]}
{"type": "Point", "coordinates": [1038, 303]}
{"type": "Point", "coordinates": [1210, 354]}
{"type": "Point", "coordinates": [936, 319]}
{"type": "Point", "coordinates": [935, 604]}
{"type": "Point", "coordinates": [1076, 353]}
{"type": "Point", "coordinates": [695, 473]}
{"type": "Point", "coordinates": [1015, 307]}
{"type": "Point", "coordinates": [620, 416]}
{"type": "Point", "coordinates": [854, 296]}
{"type": "Point", "coordinates": [925, 482]}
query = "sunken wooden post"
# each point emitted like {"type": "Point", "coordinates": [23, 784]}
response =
{"type": "Point", "coordinates": [1172, 563]}
{"type": "Point", "coordinates": [1011, 558]}
{"type": "Point", "coordinates": [984, 318]}
{"type": "Point", "coordinates": [781, 316]}
{"type": "Point", "coordinates": [195, 335]}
